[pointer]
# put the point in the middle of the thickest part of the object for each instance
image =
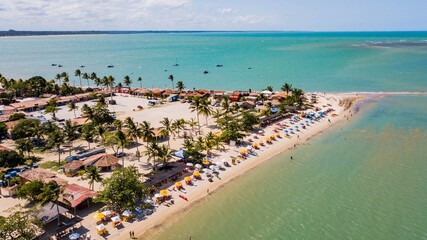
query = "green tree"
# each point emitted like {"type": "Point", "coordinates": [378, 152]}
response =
{"type": "Point", "coordinates": [140, 81]}
{"type": "Point", "coordinates": [25, 145]}
{"type": "Point", "coordinates": [269, 88]}
{"type": "Point", "coordinates": [25, 128]}
{"type": "Point", "coordinates": [147, 132]}
{"type": "Point", "coordinates": [123, 189]}
{"type": "Point", "coordinates": [86, 77]}
{"type": "Point", "coordinates": [205, 109]}
{"type": "Point", "coordinates": [286, 88]}
{"type": "Point", "coordinates": [166, 128]}
{"type": "Point", "coordinates": [196, 106]}
{"type": "Point", "coordinates": [171, 78]}
{"type": "Point", "coordinates": [133, 131]}
{"type": "Point", "coordinates": [3, 130]}
{"type": "Point", "coordinates": [88, 133]}
{"type": "Point", "coordinates": [164, 154]}
{"type": "Point", "coordinates": [92, 173]}
{"type": "Point", "coordinates": [152, 152]}
{"type": "Point", "coordinates": [248, 121]}
{"type": "Point", "coordinates": [10, 159]}
{"type": "Point", "coordinates": [30, 190]}
{"type": "Point", "coordinates": [52, 107]}
{"type": "Point", "coordinates": [78, 73]}
{"type": "Point", "coordinates": [54, 141]}
{"type": "Point", "coordinates": [20, 225]}
{"type": "Point", "coordinates": [71, 133]}
{"type": "Point", "coordinates": [51, 192]}
{"type": "Point", "coordinates": [73, 107]}
{"type": "Point", "coordinates": [16, 116]}
{"type": "Point", "coordinates": [127, 81]}
{"type": "Point", "coordinates": [178, 125]}
{"type": "Point", "coordinates": [180, 86]}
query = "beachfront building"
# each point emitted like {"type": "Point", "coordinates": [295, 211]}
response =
{"type": "Point", "coordinates": [41, 175]}
{"type": "Point", "coordinates": [107, 162]}
{"type": "Point", "coordinates": [72, 168]}
{"type": "Point", "coordinates": [167, 175]}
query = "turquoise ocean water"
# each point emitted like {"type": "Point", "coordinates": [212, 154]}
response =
{"type": "Point", "coordinates": [366, 181]}
{"type": "Point", "coordinates": [393, 61]}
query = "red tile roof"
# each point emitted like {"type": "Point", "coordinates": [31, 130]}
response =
{"type": "Point", "coordinates": [79, 194]}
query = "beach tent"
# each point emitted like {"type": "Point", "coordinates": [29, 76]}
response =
{"type": "Point", "coordinates": [179, 154]}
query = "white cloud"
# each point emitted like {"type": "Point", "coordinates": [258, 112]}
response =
{"type": "Point", "coordinates": [119, 15]}
{"type": "Point", "coordinates": [225, 10]}
{"type": "Point", "coordinates": [248, 19]}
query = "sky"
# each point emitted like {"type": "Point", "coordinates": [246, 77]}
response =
{"type": "Point", "coordinates": [281, 15]}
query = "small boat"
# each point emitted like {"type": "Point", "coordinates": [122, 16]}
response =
{"type": "Point", "coordinates": [176, 65]}
{"type": "Point", "coordinates": [219, 65]}
{"type": "Point", "coordinates": [59, 65]}
{"type": "Point", "coordinates": [183, 197]}
{"type": "Point", "coordinates": [54, 64]}
{"type": "Point", "coordinates": [205, 72]}
{"type": "Point", "coordinates": [110, 66]}
{"type": "Point", "coordinates": [82, 66]}
{"type": "Point", "coordinates": [249, 68]}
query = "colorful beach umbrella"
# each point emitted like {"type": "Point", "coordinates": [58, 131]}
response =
{"type": "Point", "coordinates": [164, 192]}
{"type": "Point", "coordinates": [178, 184]}
{"type": "Point", "coordinates": [187, 179]}
{"type": "Point", "coordinates": [98, 216]}
{"type": "Point", "coordinates": [206, 162]}
{"type": "Point", "coordinates": [196, 173]}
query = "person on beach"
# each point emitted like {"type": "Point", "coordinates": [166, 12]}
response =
{"type": "Point", "coordinates": [207, 191]}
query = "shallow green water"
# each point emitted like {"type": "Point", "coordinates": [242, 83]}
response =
{"type": "Point", "coordinates": [366, 181]}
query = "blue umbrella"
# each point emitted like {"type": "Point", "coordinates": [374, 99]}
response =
{"type": "Point", "coordinates": [296, 127]}
{"type": "Point", "coordinates": [286, 131]}
{"type": "Point", "coordinates": [291, 129]}
{"type": "Point", "coordinates": [306, 121]}
{"type": "Point", "coordinates": [302, 124]}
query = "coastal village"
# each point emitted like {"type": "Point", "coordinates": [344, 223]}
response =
{"type": "Point", "coordinates": [110, 161]}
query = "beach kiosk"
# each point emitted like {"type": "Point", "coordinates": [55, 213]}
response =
{"type": "Point", "coordinates": [101, 229]}
{"type": "Point", "coordinates": [127, 215]}
{"type": "Point", "coordinates": [115, 221]}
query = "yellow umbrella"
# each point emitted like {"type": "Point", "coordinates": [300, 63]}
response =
{"type": "Point", "coordinates": [272, 137]}
{"type": "Point", "coordinates": [196, 174]}
{"type": "Point", "coordinates": [164, 192]}
{"type": "Point", "coordinates": [278, 135]}
{"type": "Point", "coordinates": [243, 151]}
{"type": "Point", "coordinates": [187, 179]}
{"type": "Point", "coordinates": [206, 162]}
{"type": "Point", "coordinates": [255, 145]}
{"type": "Point", "coordinates": [98, 215]}
{"type": "Point", "coordinates": [178, 184]}
{"type": "Point", "coordinates": [261, 142]}
{"type": "Point", "coordinates": [267, 139]}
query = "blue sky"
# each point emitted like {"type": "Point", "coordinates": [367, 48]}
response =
{"type": "Point", "coordinates": [287, 15]}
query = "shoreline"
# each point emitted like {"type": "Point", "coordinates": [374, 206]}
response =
{"type": "Point", "coordinates": [149, 228]}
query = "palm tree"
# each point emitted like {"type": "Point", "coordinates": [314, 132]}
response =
{"type": "Point", "coordinates": [109, 82]}
{"type": "Point", "coordinates": [192, 123]}
{"type": "Point", "coordinates": [71, 133]}
{"type": "Point", "coordinates": [133, 131]}
{"type": "Point", "coordinates": [178, 125]}
{"type": "Point", "coordinates": [269, 88]}
{"type": "Point", "coordinates": [152, 151]}
{"type": "Point", "coordinates": [51, 192]}
{"type": "Point", "coordinates": [55, 140]}
{"type": "Point", "coordinates": [225, 104]}
{"type": "Point", "coordinates": [78, 73]}
{"type": "Point", "coordinates": [196, 105]}
{"type": "Point", "coordinates": [73, 107]}
{"type": "Point", "coordinates": [217, 142]}
{"type": "Point", "coordinates": [88, 133]}
{"type": "Point", "coordinates": [86, 77]}
{"type": "Point", "coordinates": [171, 78]}
{"type": "Point", "coordinates": [127, 81]}
{"type": "Point", "coordinates": [94, 78]}
{"type": "Point", "coordinates": [164, 154]}
{"type": "Point", "coordinates": [58, 78]}
{"type": "Point", "coordinates": [166, 128]}
{"type": "Point", "coordinates": [24, 145]}
{"type": "Point", "coordinates": [140, 81]}
{"type": "Point", "coordinates": [147, 133]}
{"type": "Point", "coordinates": [92, 173]}
{"type": "Point", "coordinates": [205, 109]}
{"type": "Point", "coordinates": [297, 97]}
{"type": "Point", "coordinates": [287, 88]}
{"type": "Point", "coordinates": [180, 86]}
{"type": "Point", "coordinates": [52, 107]}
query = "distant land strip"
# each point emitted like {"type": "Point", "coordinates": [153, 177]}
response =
{"type": "Point", "coordinates": [13, 33]}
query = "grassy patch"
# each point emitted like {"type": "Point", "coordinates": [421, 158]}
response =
{"type": "Point", "coordinates": [53, 165]}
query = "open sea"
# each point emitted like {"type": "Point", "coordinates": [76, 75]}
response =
{"type": "Point", "coordinates": [387, 61]}
{"type": "Point", "coordinates": [365, 179]}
